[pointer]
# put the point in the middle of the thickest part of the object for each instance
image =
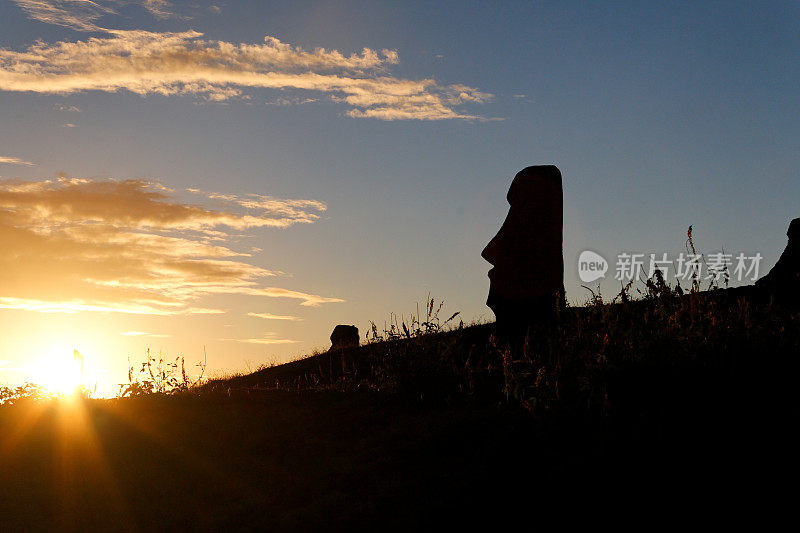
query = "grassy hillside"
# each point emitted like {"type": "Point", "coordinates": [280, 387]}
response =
{"type": "Point", "coordinates": [657, 403]}
{"type": "Point", "coordinates": [663, 352]}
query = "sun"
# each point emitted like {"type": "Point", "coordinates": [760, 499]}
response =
{"type": "Point", "coordinates": [60, 371]}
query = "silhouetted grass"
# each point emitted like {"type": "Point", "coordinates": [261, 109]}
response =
{"type": "Point", "coordinates": [629, 404]}
{"type": "Point", "coordinates": [159, 375]}
{"type": "Point", "coordinates": [664, 349]}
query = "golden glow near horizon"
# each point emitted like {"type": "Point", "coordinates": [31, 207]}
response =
{"type": "Point", "coordinates": [65, 371]}
{"type": "Point", "coordinates": [123, 265]}
{"type": "Point", "coordinates": [57, 372]}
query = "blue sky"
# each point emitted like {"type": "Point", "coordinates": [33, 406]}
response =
{"type": "Point", "coordinates": [659, 116]}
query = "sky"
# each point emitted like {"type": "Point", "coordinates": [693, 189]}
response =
{"type": "Point", "coordinates": [236, 178]}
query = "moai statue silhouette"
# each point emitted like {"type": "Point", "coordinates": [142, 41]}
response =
{"type": "Point", "coordinates": [527, 278]}
{"type": "Point", "coordinates": [344, 336]}
{"type": "Point", "coordinates": [784, 278]}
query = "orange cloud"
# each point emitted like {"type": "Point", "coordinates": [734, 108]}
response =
{"type": "Point", "coordinates": [15, 161]}
{"type": "Point", "coordinates": [270, 316]}
{"type": "Point", "coordinates": [133, 246]}
{"type": "Point", "coordinates": [269, 338]}
{"type": "Point", "coordinates": [184, 64]}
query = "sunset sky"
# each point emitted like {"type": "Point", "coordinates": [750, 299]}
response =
{"type": "Point", "coordinates": [243, 176]}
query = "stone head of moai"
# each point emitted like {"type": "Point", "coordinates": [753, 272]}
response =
{"type": "Point", "coordinates": [784, 278]}
{"type": "Point", "coordinates": [344, 336]}
{"type": "Point", "coordinates": [527, 278]}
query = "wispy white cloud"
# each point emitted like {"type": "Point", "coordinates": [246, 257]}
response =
{"type": "Point", "coordinates": [143, 334]}
{"type": "Point", "coordinates": [270, 316]}
{"type": "Point", "coordinates": [67, 108]}
{"type": "Point", "coordinates": [15, 161]}
{"type": "Point", "coordinates": [269, 338]}
{"type": "Point", "coordinates": [291, 101]}
{"type": "Point", "coordinates": [133, 246]}
{"type": "Point", "coordinates": [160, 9]}
{"type": "Point", "coordinates": [83, 15]}
{"type": "Point", "coordinates": [77, 306]}
{"type": "Point", "coordinates": [185, 64]}
{"type": "Point", "coordinates": [286, 211]}
{"type": "Point", "coordinates": [76, 14]}
{"type": "Point", "coordinates": [308, 300]}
